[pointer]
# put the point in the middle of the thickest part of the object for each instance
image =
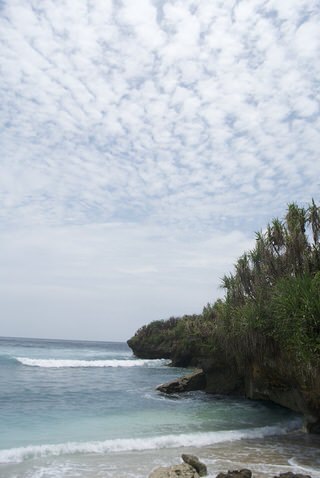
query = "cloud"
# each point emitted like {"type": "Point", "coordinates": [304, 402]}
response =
{"type": "Point", "coordinates": [180, 116]}
{"type": "Point", "coordinates": [119, 105]}
{"type": "Point", "coordinates": [307, 39]}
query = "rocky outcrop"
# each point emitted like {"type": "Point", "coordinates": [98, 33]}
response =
{"type": "Point", "coordinates": [194, 461]}
{"type": "Point", "coordinates": [265, 372]}
{"type": "Point", "coordinates": [274, 380]}
{"type": "Point", "coordinates": [175, 471]}
{"type": "Point", "coordinates": [155, 340]}
{"type": "Point", "coordinates": [292, 475]}
{"type": "Point", "coordinates": [191, 468]}
{"type": "Point", "coordinates": [193, 381]}
{"type": "Point", "coordinates": [144, 350]}
{"type": "Point", "coordinates": [224, 379]}
{"type": "Point", "coordinates": [268, 381]}
{"type": "Point", "coordinates": [312, 425]}
{"type": "Point", "coordinates": [270, 378]}
{"type": "Point", "coordinates": [244, 473]}
{"type": "Point", "coordinates": [187, 471]}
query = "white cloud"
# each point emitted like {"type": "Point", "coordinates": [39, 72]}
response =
{"type": "Point", "coordinates": [174, 114]}
{"type": "Point", "coordinates": [307, 38]}
{"type": "Point", "coordinates": [142, 17]}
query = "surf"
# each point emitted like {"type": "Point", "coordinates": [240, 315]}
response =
{"type": "Point", "coordinates": [67, 363]}
{"type": "Point", "coordinates": [196, 440]}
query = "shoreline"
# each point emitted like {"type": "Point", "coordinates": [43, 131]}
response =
{"type": "Point", "coordinates": [266, 457]}
{"type": "Point", "coordinates": [294, 452]}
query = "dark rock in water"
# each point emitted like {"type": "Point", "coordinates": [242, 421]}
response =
{"type": "Point", "coordinates": [175, 471]}
{"type": "Point", "coordinates": [193, 381]}
{"type": "Point", "coordinates": [312, 425]}
{"type": "Point", "coordinates": [194, 461]}
{"type": "Point", "coordinates": [245, 473]}
{"type": "Point", "coordinates": [292, 475]}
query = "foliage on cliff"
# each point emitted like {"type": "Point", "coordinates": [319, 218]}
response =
{"type": "Point", "coordinates": [272, 302]}
{"type": "Point", "coordinates": [275, 288]}
{"type": "Point", "coordinates": [185, 340]}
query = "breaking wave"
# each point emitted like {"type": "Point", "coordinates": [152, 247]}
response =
{"type": "Point", "coordinates": [17, 455]}
{"type": "Point", "coordinates": [61, 363]}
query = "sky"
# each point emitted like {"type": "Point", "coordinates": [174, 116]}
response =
{"type": "Point", "coordinates": [142, 143]}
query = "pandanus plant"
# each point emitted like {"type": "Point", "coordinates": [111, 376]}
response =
{"type": "Point", "coordinates": [297, 246]}
{"type": "Point", "coordinates": [313, 218]}
{"type": "Point", "coordinates": [283, 250]}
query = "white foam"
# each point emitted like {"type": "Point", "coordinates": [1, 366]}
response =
{"type": "Point", "coordinates": [62, 363]}
{"type": "Point", "coordinates": [16, 455]}
{"type": "Point", "coordinates": [293, 462]}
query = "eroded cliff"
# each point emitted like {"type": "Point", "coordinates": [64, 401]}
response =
{"type": "Point", "coordinates": [266, 374]}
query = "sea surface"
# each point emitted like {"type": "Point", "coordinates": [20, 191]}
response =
{"type": "Point", "coordinates": [90, 409]}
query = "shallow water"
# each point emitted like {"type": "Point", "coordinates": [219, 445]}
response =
{"type": "Point", "coordinates": [90, 409]}
{"type": "Point", "coordinates": [269, 456]}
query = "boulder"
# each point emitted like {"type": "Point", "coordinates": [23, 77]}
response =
{"type": "Point", "coordinates": [244, 473]}
{"type": "Point", "coordinates": [289, 474]}
{"type": "Point", "coordinates": [175, 471]}
{"type": "Point", "coordinates": [194, 461]}
{"type": "Point", "coordinates": [312, 425]}
{"type": "Point", "coordinates": [193, 381]}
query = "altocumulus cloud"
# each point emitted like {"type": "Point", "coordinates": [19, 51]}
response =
{"type": "Point", "coordinates": [141, 144]}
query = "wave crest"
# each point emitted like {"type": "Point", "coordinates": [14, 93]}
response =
{"type": "Point", "coordinates": [66, 363]}
{"type": "Point", "coordinates": [17, 455]}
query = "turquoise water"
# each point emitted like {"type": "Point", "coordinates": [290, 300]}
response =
{"type": "Point", "coordinates": [64, 404]}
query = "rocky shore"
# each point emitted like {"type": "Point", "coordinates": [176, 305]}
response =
{"type": "Point", "coordinates": [192, 467]}
{"type": "Point", "coordinates": [187, 383]}
{"type": "Point", "coordinates": [269, 376]}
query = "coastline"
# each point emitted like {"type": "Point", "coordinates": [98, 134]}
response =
{"type": "Point", "coordinates": [294, 452]}
{"type": "Point", "coordinates": [119, 426]}
{"type": "Point", "coordinates": [265, 457]}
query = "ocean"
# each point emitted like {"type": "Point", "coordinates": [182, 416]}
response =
{"type": "Point", "coordinates": [90, 409]}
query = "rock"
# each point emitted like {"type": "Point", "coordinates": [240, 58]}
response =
{"type": "Point", "coordinates": [245, 473]}
{"type": "Point", "coordinates": [175, 471]}
{"type": "Point", "coordinates": [193, 381]}
{"type": "Point", "coordinates": [292, 475]}
{"type": "Point", "coordinates": [194, 461]}
{"type": "Point", "coordinates": [224, 379]}
{"type": "Point", "coordinates": [312, 425]}
{"type": "Point", "coordinates": [269, 373]}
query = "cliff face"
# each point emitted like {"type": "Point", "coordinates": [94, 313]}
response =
{"type": "Point", "coordinates": [284, 384]}
{"type": "Point", "coordinates": [270, 376]}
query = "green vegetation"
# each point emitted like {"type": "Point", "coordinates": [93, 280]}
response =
{"type": "Point", "coordinates": [272, 303]}
{"type": "Point", "coordinates": [175, 338]}
{"type": "Point", "coordinates": [275, 289]}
